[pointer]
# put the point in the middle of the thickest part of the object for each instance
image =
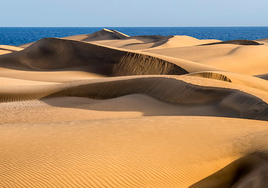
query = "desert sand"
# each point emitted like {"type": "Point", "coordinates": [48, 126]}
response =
{"type": "Point", "coordinates": [111, 110]}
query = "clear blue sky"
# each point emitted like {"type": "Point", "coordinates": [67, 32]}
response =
{"type": "Point", "coordinates": [132, 13]}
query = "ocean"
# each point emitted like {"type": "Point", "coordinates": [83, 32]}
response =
{"type": "Point", "coordinates": [21, 35]}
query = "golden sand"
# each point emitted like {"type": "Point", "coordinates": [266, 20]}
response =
{"type": "Point", "coordinates": [109, 110]}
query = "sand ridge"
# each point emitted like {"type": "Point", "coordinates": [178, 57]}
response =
{"type": "Point", "coordinates": [111, 110]}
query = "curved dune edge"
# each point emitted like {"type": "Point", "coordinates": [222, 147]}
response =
{"type": "Point", "coordinates": [195, 53]}
{"type": "Point", "coordinates": [48, 76]}
{"type": "Point", "coordinates": [173, 90]}
{"type": "Point", "coordinates": [104, 34]}
{"type": "Point", "coordinates": [6, 49]}
{"type": "Point", "coordinates": [135, 42]}
{"type": "Point", "coordinates": [248, 171]}
{"type": "Point", "coordinates": [248, 60]}
{"type": "Point", "coordinates": [55, 54]}
{"type": "Point", "coordinates": [132, 152]}
{"type": "Point", "coordinates": [11, 48]}
{"type": "Point", "coordinates": [241, 59]}
{"type": "Point", "coordinates": [244, 80]}
{"type": "Point", "coordinates": [2, 52]}
{"type": "Point", "coordinates": [80, 108]}
{"type": "Point", "coordinates": [262, 40]}
{"type": "Point", "coordinates": [237, 42]}
{"type": "Point", "coordinates": [110, 110]}
{"type": "Point", "coordinates": [212, 75]}
{"type": "Point", "coordinates": [110, 38]}
{"type": "Point", "coordinates": [58, 54]}
{"type": "Point", "coordinates": [262, 76]}
{"type": "Point", "coordinates": [153, 42]}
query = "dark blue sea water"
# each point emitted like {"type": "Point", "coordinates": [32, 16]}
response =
{"type": "Point", "coordinates": [22, 35]}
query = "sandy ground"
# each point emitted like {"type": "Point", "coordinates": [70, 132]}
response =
{"type": "Point", "coordinates": [109, 110]}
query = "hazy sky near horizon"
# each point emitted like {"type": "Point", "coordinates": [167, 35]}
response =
{"type": "Point", "coordinates": [132, 13]}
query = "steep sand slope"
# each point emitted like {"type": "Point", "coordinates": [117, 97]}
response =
{"type": "Point", "coordinates": [263, 76]}
{"type": "Point", "coordinates": [176, 90]}
{"type": "Point", "coordinates": [58, 54]}
{"type": "Point", "coordinates": [109, 110]}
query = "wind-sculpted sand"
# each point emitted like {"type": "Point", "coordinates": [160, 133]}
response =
{"type": "Point", "coordinates": [110, 110]}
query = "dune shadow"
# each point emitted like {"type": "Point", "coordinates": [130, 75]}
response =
{"type": "Point", "coordinates": [236, 42]}
{"type": "Point", "coordinates": [262, 76]}
{"type": "Point", "coordinates": [145, 104]}
{"type": "Point", "coordinates": [250, 171]}
{"type": "Point", "coordinates": [181, 98]}
{"type": "Point", "coordinates": [51, 54]}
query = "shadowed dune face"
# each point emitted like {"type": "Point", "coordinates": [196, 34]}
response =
{"type": "Point", "coordinates": [54, 54]}
{"type": "Point", "coordinates": [109, 110]}
{"type": "Point", "coordinates": [249, 171]}
{"type": "Point", "coordinates": [174, 90]}
{"type": "Point", "coordinates": [237, 42]}
{"type": "Point", "coordinates": [263, 76]}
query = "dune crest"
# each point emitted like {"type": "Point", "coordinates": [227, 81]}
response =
{"type": "Point", "coordinates": [111, 110]}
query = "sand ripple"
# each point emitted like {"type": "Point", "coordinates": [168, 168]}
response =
{"type": "Point", "coordinates": [110, 110]}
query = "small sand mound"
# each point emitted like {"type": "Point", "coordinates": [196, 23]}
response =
{"type": "Point", "coordinates": [237, 42]}
{"type": "Point", "coordinates": [104, 34]}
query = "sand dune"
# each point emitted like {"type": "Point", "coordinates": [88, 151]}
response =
{"type": "Point", "coordinates": [154, 42]}
{"type": "Point", "coordinates": [117, 39]}
{"type": "Point", "coordinates": [232, 57]}
{"type": "Point", "coordinates": [2, 52]}
{"type": "Point", "coordinates": [11, 48]}
{"type": "Point", "coordinates": [5, 49]}
{"type": "Point", "coordinates": [111, 110]}
{"type": "Point", "coordinates": [235, 78]}
{"type": "Point", "coordinates": [237, 42]}
{"type": "Point", "coordinates": [104, 34]}
{"type": "Point", "coordinates": [263, 76]}
{"type": "Point", "coordinates": [175, 90]}
{"type": "Point", "coordinates": [262, 40]}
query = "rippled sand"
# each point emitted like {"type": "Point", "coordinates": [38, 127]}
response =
{"type": "Point", "coordinates": [110, 110]}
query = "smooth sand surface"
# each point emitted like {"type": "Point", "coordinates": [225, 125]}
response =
{"type": "Point", "coordinates": [6, 49]}
{"type": "Point", "coordinates": [109, 110]}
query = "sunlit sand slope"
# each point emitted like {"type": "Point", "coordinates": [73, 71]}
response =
{"type": "Point", "coordinates": [111, 110]}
